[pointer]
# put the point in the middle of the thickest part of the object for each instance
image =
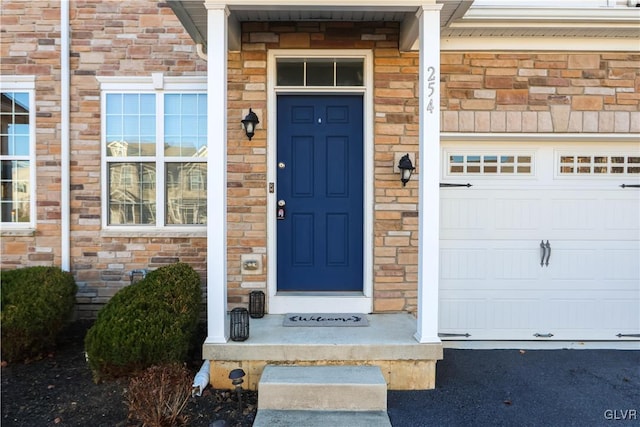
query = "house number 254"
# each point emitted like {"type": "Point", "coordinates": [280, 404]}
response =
{"type": "Point", "coordinates": [431, 81]}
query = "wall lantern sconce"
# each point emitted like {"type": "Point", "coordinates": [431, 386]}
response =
{"type": "Point", "coordinates": [250, 122]}
{"type": "Point", "coordinates": [239, 324]}
{"type": "Point", "coordinates": [406, 169]}
{"type": "Point", "coordinates": [256, 304]}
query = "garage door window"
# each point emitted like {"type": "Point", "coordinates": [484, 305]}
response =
{"type": "Point", "coordinates": [599, 164]}
{"type": "Point", "coordinates": [490, 164]}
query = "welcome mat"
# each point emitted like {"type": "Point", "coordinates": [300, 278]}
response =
{"type": "Point", "coordinates": [325, 319]}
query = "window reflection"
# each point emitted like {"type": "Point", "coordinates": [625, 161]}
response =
{"type": "Point", "coordinates": [15, 204]}
{"type": "Point", "coordinates": [132, 194]}
{"type": "Point", "coordinates": [186, 193]}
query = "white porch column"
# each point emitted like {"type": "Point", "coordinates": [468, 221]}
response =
{"type": "Point", "coordinates": [217, 328]}
{"type": "Point", "coordinates": [429, 173]}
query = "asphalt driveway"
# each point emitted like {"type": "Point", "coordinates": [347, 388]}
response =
{"type": "Point", "coordinates": [526, 388]}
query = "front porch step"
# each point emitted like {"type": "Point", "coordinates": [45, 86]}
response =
{"type": "Point", "coordinates": [340, 396]}
{"type": "Point", "coordinates": [273, 418]}
{"type": "Point", "coordinates": [330, 388]}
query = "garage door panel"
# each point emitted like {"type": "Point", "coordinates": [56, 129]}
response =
{"type": "Point", "coordinates": [462, 313]}
{"type": "Point", "coordinates": [497, 260]}
{"type": "Point", "coordinates": [571, 213]}
{"type": "Point", "coordinates": [493, 285]}
{"type": "Point", "coordinates": [512, 313]}
{"type": "Point", "coordinates": [516, 264]}
{"type": "Point", "coordinates": [623, 265]}
{"type": "Point", "coordinates": [624, 216]}
{"type": "Point", "coordinates": [607, 215]}
{"type": "Point", "coordinates": [467, 214]}
{"type": "Point", "coordinates": [486, 214]}
{"type": "Point", "coordinates": [519, 214]}
{"type": "Point", "coordinates": [598, 262]}
{"type": "Point", "coordinates": [571, 263]}
{"type": "Point", "coordinates": [463, 264]}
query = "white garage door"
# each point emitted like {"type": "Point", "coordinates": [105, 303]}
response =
{"type": "Point", "coordinates": [545, 244]}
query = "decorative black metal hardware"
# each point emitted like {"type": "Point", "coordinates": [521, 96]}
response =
{"type": "Point", "coordinates": [537, 335]}
{"type": "Point", "coordinates": [446, 184]}
{"type": "Point", "coordinates": [444, 335]}
{"type": "Point", "coordinates": [628, 335]}
{"type": "Point", "coordinates": [546, 251]}
{"type": "Point", "coordinates": [548, 245]}
{"type": "Point", "coordinates": [630, 186]}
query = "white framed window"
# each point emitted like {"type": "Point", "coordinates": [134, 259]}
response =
{"type": "Point", "coordinates": [154, 139]}
{"type": "Point", "coordinates": [17, 152]}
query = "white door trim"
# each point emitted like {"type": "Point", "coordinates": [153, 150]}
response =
{"type": "Point", "coordinates": [310, 302]}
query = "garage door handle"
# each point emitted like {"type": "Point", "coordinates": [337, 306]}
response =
{"type": "Point", "coordinates": [548, 245]}
{"type": "Point", "coordinates": [538, 335]}
{"type": "Point", "coordinates": [544, 251]}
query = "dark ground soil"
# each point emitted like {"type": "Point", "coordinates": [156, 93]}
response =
{"type": "Point", "coordinates": [58, 390]}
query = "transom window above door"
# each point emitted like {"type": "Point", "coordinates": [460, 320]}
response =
{"type": "Point", "coordinates": [320, 72]}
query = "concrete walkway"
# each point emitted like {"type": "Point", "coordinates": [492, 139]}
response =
{"type": "Point", "coordinates": [526, 388]}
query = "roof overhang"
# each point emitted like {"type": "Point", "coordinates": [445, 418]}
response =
{"type": "Point", "coordinates": [193, 14]}
{"type": "Point", "coordinates": [458, 18]}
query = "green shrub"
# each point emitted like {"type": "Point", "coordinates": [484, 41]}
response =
{"type": "Point", "coordinates": [36, 303]}
{"type": "Point", "coordinates": [150, 322]}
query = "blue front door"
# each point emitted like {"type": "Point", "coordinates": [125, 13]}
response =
{"type": "Point", "coordinates": [320, 193]}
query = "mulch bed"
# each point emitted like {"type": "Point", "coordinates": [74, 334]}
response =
{"type": "Point", "coordinates": [58, 390]}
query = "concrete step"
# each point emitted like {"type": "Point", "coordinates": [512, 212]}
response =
{"type": "Point", "coordinates": [322, 388]}
{"type": "Point", "coordinates": [274, 418]}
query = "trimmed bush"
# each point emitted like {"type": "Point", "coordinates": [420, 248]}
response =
{"type": "Point", "coordinates": [36, 303]}
{"type": "Point", "coordinates": [151, 322]}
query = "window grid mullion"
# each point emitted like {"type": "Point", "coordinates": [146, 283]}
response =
{"type": "Point", "coordinates": [160, 163]}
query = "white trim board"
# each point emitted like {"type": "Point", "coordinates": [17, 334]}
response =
{"type": "Point", "coordinates": [581, 44]}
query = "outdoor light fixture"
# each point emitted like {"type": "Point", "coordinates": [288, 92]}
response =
{"type": "Point", "coordinates": [406, 169]}
{"type": "Point", "coordinates": [256, 304]}
{"type": "Point", "coordinates": [236, 376]}
{"type": "Point", "coordinates": [250, 122]}
{"type": "Point", "coordinates": [239, 324]}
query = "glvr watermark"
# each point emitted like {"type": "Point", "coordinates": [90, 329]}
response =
{"type": "Point", "coordinates": [621, 414]}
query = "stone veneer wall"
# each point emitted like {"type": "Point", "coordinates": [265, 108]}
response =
{"type": "Point", "coordinates": [481, 92]}
{"type": "Point", "coordinates": [590, 92]}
